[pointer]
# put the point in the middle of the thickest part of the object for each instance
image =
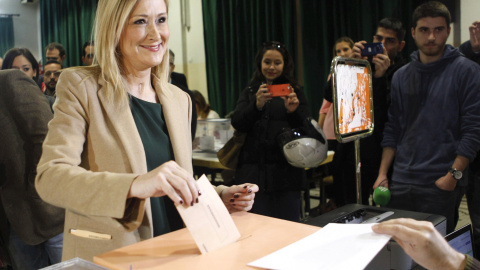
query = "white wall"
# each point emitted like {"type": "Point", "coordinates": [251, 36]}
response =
{"type": "Point", "coordinates": [175, 25]}
{"type": "Point", "coordinates": [26, 27]}
{"type": "Point", "coordinates": [469, 12]}
{"type": "Point", "coordinates": [187, 43]}
{"type": "Point", "coordinates": [195, 50]}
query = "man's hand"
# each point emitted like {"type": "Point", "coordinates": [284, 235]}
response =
{"type": "Point", "coordinates": [357, 50]}
{"type": "Point", "coordinates": [446, 182]}
{"type": "Point", "coordinates": [381, 62]}
{"type": "Point", "coordinates": [421, 241]}
{"type": "Point", "coordinates": [382, 181]}
{"type": "Point", "coordinates": [475, 36]}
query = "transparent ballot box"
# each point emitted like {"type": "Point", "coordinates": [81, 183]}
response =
{"type": "Point", "coordinates": [212, 134]}
{"type": "Point", "coordinates": [75, 264]}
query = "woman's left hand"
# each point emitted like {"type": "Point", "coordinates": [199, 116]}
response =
{"type": "Point", "coordinates": [239, 198]}
{"type": "Point", "coordinates": [291, 102]}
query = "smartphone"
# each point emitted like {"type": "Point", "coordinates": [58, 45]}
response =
{"type": "Point", "coordinates": [372, 49]}
{"type": "Point", "coordinates": [280, 90]}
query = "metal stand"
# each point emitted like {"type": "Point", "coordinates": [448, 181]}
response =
{"type": "Point", "coordinates": [358, 166]}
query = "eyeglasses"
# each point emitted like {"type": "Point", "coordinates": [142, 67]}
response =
{"type": "Point", "coordinates": [274, 44]}
{"type": "Point", "coordinates": [55, 74]}
{"type": "Point", "coordinates": [388, 40]}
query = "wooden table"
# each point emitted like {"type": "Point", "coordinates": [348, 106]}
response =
{"type": "Point", "coordinates": [210, 160]}
{"type": "Point", "coordinates": [260, 236]}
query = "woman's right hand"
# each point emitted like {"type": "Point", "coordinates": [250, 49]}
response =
{"type": "Point", "coordinates": [168, 179]}
{"type": "Point", "coordinates": [263, 96]}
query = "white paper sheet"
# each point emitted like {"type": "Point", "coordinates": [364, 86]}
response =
{"type": "Point", "coordinates": [335, 246]}
{"type": "Point", "coordinates": [208, 221]}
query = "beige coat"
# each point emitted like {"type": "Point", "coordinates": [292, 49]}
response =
{"type": "Point", "coordinates": [91, 155]}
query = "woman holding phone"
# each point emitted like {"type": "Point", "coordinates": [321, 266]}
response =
{"type": "Point", "coordinates": [263, 117]}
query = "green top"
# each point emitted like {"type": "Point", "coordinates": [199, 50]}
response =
{"type": "Point", "coordinates": [158, 150]}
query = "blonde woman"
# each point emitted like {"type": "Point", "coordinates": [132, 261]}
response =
{"type": "Point", "coordinates": [118, 152]}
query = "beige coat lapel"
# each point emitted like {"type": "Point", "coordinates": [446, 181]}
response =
{"type": "Point", "coordinates": [176, 111]}
{"type": "Point", "coordinates": [122, 121]}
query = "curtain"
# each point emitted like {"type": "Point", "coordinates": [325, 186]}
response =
{"type": "Point", "coordinates": [323, 22]}
{"type": "Point", "coordinates": [68, 22]}
{"type": "Point", "coordinates": [7, 38]}
{"type": "Point", "coordinates": [234, 30]}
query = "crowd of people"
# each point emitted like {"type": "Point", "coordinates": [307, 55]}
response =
{"type": "Point", "coordinates": [106, 148]}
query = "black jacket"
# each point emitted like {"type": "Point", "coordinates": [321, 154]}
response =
{"type": "Point", "coordinates": [262, 160]}
{"type": "Point", "coordinates": [180, 81]}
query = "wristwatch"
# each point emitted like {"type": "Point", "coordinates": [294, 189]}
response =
{"type": "Point", "coordinates": [457, 175]}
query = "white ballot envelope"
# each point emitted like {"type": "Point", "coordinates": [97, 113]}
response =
{"type": "Point", "coordinates": [208, 220]}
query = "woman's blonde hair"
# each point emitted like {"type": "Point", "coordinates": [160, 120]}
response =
{"type": "Point", "coordinates": [110, 22]}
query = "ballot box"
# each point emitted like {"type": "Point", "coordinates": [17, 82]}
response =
{"type": "Point", "coordinates": [392, 255]}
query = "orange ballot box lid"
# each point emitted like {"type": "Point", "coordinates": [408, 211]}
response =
{"type": "Point", "coordinates": [259, 236]}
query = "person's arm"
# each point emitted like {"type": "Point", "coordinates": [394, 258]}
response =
{"type": "Point", "coordinates": [321, 119]}
{"type": "Point", "coordinates": [297, 108]}
{"type": "Point", "coordinates": [390, 137]}
{"type": "Point", "coordinates": [421, 241]}
{"type": "Point", "coordinates": [323, 112]}
{"type": "Point", "coordinates": [246, 111]}
{"type": "Point", "coordinates": [448, 182]}
{"type": "Point", "coordinates": [469, 106]}
{"type": "Point", "coordinates": [387, 158]}
{"type": "Point", "coordinates": [471, 48]}
{"type": "Point", "coordinates": [62, 179]}
{"type": "Point", "coordinates": [382, 63]}
{"type": "Point", "coordinates": [474, 30]}
{"type": "Point", "coordinates": [357, 50]}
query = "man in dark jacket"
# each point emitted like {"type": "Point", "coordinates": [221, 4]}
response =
{"type": "Point", "coordinates": [471, 49]}
{"type": "Point", "coordinates": [433, 121]}
{"type": "Point", "coordinates": [31, 228]}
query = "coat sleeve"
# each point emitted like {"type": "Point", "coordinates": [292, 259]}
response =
{"type": "Point", "coordinates": [469, 99]}
{"type": "Point", "coordinates": [296, 118]}
{"type": "Point", "coordinates": [65, 178]}
{"type": "Point", "coordinates": [392, 126]}
{"type": "Point", "coordinates": [246, 112]}
{"type": "Point", "coordinates": [466, 49]}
